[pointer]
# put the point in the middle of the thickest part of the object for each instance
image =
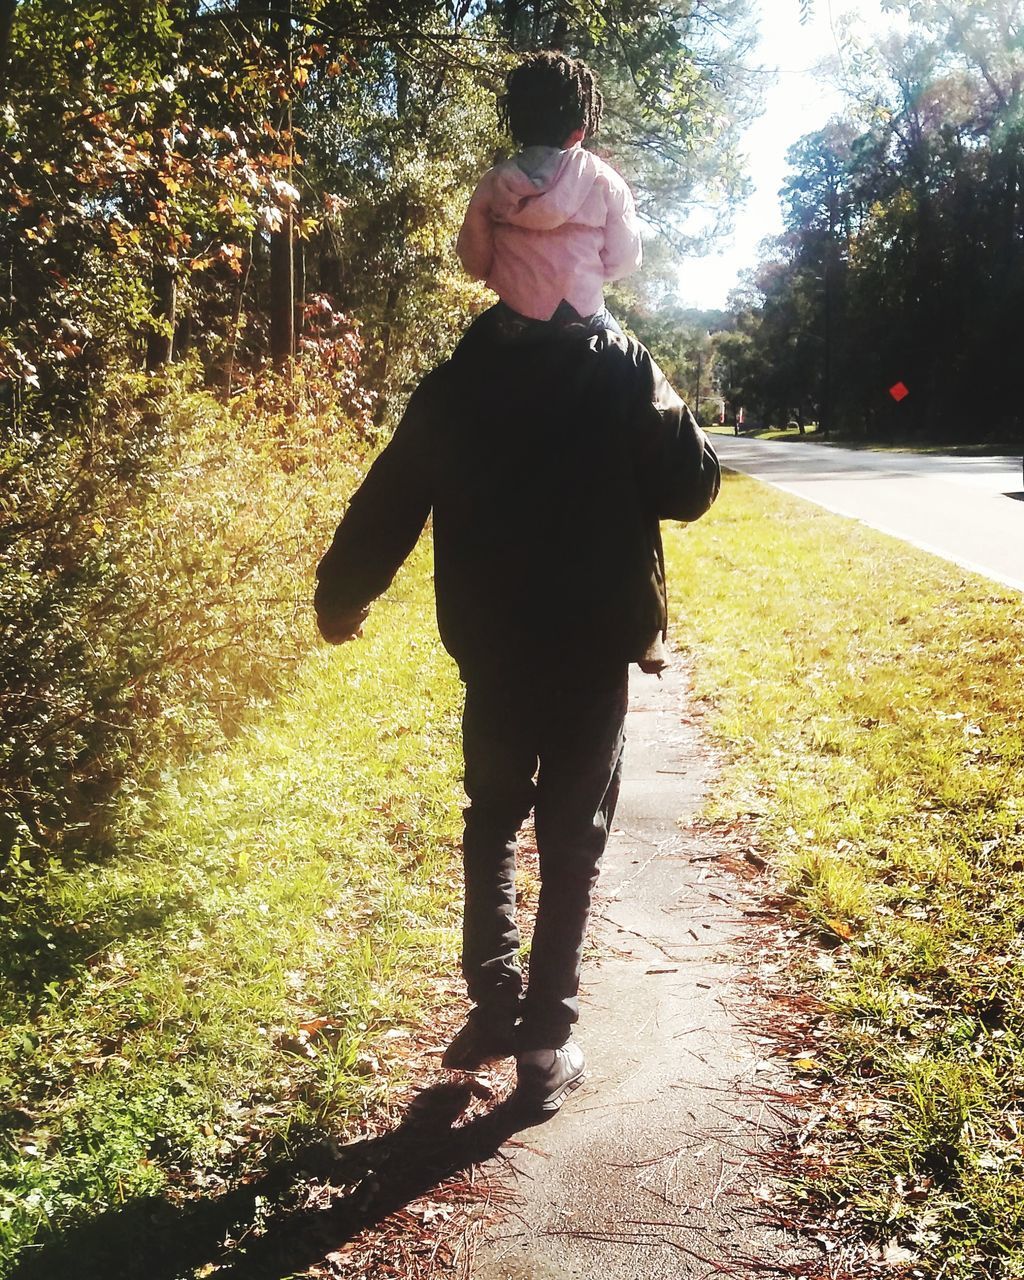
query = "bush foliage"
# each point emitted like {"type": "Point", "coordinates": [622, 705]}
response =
{"type": "Point", "coordinates": [154, 574]}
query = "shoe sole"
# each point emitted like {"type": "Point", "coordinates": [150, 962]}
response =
{"type": "Point", "coordinates": [549, 1103]}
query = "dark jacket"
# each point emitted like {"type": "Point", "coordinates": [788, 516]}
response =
{"type": "Point", "coordinates": [547, 465]}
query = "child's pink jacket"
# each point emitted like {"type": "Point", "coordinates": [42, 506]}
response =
{"type": "Point", "coordinates": [549, 225]}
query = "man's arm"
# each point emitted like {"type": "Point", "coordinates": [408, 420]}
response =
{"type": "Point", "coordinates": [384, 519]}
{"type": "Point", "coordinates": [677, 467]}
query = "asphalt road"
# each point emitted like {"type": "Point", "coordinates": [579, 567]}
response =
{"type": "Point", "coordinates": [967, 510]}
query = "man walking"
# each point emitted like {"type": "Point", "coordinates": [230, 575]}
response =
{"type": "Point", "coordinates": [547, 453]}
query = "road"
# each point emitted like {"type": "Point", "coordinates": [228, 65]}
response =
{"type": "Point", "coordinates": [967, 510]}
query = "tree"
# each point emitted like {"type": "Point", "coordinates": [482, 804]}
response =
{"type": "Point", "coordinates": [904, 255]}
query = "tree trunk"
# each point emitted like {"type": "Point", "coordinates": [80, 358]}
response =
{"type": "Point", "coordinates": [299, 287]}
{"type": "Point", "coordinates": [826, 396]}
{"type": "Point", "coordinates": [282, 294]}
{"type": "Point", "coordinates": [182, 336]}
{"type": "Point", "coordinates": [160, 341]}
{"type": "Point", "coordinates": [282, 241]}
{"type": "Point", "coordinates": [7, 8]}
{"type": "Point", "coordinates": [228, 368]}
{"type": "Point", "coordinates": [328, 274]}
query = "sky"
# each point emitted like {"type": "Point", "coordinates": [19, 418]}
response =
{"type": "Point", "coordinates": [801, 97]}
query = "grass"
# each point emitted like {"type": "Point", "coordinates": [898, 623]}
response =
{"type": "Point", "coordinates": [970, 449]}
{"type": "Point", "coordinates": [869, 697]}
{"type": "Point", "coordinates": [247, 967]}
{"type": "Point", "coordinates": [952, 449]}
{"type": "Point", "coordinates": [775, 433]}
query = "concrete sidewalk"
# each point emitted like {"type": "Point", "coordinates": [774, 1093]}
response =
{"type": "Point", "coordinates": [649, 1169]}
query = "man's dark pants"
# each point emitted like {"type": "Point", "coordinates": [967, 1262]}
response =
{"type": "Point", "coordinates": [569, 732]}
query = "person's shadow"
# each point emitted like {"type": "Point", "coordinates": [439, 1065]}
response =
{"type": "Point", "coordinates": [271, 1227]}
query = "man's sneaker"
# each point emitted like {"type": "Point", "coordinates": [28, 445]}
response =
{"type": "Point", "coordinates": [547, 1076]}
{"type": "Point", "coordinates": [478, 1043]}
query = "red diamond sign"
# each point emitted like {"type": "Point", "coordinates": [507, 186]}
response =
{"type": "Point", "coordinates": [898, 391]}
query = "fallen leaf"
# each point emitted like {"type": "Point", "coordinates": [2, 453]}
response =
{"type": "Point", "coordinates": [895, 1254]}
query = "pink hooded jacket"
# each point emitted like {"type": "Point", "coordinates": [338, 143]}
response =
{"type": "Point", "coordinates": [550, 225]}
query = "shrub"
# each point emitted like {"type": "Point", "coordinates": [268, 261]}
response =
{"type": "Point", "coordinates": [154, 570]}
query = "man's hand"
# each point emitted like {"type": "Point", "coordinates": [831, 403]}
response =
{"type": "Point", "coordinates": [337, 628]}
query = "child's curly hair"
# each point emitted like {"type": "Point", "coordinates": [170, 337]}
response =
{"type": "Point", "coordinates": [547, 98]}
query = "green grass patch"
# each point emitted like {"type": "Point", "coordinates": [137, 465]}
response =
{"type": "Point", "coordinates": [838, 440]}
{"type": "Point", "coordinates": [154, 1006]}
{"type": "Point", "coordinates": [869, 697]}
{"type": "Point", "coordinates": [952, 449]}
{"type": "Point", "coordinates": [774, 433]}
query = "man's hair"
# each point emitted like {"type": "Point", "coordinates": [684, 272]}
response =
{"type": "Point", "coordinates": [548, 97]}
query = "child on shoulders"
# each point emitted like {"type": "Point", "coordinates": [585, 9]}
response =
{"type": "Point", "coordinates": [547, 228]}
